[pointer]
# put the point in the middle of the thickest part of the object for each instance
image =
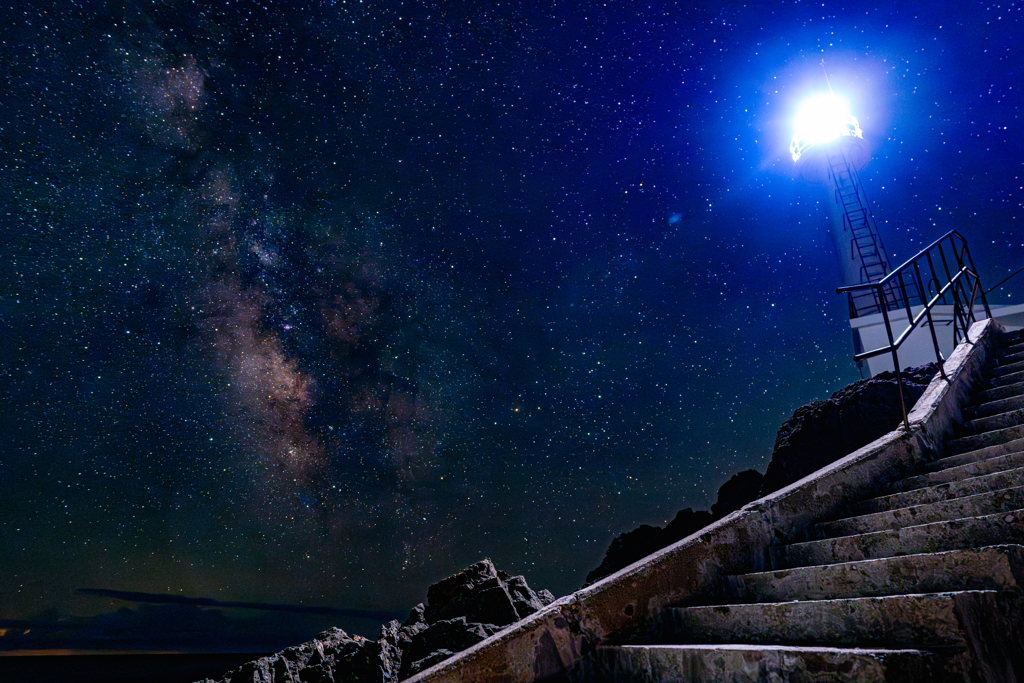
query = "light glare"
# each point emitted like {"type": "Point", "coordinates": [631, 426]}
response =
{"type": "Point", "coordinates": [821, 119]}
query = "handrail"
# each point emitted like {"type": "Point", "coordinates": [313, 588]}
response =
{"type": "Point", "coordinates": [1003, 281]}
{"type": "Point", "coordinates": [956, 286]}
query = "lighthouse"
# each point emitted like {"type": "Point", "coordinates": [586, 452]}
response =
{"type": "Point", "coordinates": [828, 148]}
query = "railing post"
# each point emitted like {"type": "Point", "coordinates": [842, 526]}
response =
{"type": "Point", "coordinates": [931, 323]}
{"type": "Point", "coordinates": [896, 365]}
{"type": "Point", "coordinates": [935, 276]}
{"type": "Point", "coordinates": [984, 299]}
{"type": "Point", "coordinates": [957, 309]}
{"type": "Point", "coordinates": [906, 300]}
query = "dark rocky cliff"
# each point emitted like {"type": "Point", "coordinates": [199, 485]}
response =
{"type": "Point", "coordinates": [821, 432]}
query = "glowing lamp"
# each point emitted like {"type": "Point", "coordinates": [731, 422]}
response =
{"type": "Point", "coordinates": [820, 120]}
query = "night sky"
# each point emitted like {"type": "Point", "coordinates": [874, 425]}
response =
{"type": "Point", "coordinates": [315, 305]}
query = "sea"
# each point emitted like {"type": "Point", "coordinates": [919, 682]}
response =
{"type": "Point", "coordinates": [120, 668]}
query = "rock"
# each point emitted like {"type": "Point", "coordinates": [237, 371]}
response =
{"type": "Point", "coordinates": [627, 548]}
{"type": "Point", "coordinates": [686, 522]}
{"type": "Point", "coordinates": [310, 662]}
{"type": "Point", "coordinates": [525, 601]}
{"type": "Point", "coordinates": [389, 656]}
{"type": "Point", "coordinates": [483, 595]}
{"type": "Point", "coordinates": [737, 492]}
{"type": "Point", "coordinates": [821, 432]}
{"type": "Point", "coordinates": [461, 611]}
{"type": "Point", "coordinates": [446, 635]}
{"type": "Point", "coordinates": [427, 662]}
{"type": "Point", "coordinates": [631, 546]}
{"type": "Point", "coordinates": [417, 615]}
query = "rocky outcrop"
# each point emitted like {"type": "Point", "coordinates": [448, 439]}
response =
{"type": "Point", "coordinates": [633, 545]}
{"type": "Point", "coordinates": [464, 609]}
{"type": "Point", "coordinates": [737, 492]}
{"type": "Point", "coordinates": [821, 432]}
{"type": "Point", "coordinates": [331, 656]}
{"type": "Point", "coordinates": [461, 611]}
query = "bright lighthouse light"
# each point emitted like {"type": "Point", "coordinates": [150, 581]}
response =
{"type": "Point", "coordinates": [819, 120]}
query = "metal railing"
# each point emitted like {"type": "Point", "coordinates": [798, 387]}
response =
{"type": "Point", "coordinates": [1005, 280]}
{"type": "Point", "coordinates": [956, 280]}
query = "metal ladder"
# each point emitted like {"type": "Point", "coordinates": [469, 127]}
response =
{"type": "Point", "coordinates": [865, 242]}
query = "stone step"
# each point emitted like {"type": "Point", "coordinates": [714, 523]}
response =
{"type": "Point", "coordinates": [993, 422]}
{"type": "Point", "coordinates": [1011, 346]}
{"type": "Point", "coordinates": [991, 568]}
{"type": "Point", "coordinates": [990, 465]}
{"type": "Point", "coordinates": [978, 505]}
{"type": "Point", "coordinates": [1007, 379]}
{"type": "Point", "coordinates": [918, 621]}
{"type": "Point", "coordinates": [993, 407]}
{"type": "Point", "coordinates": [980, 455]}
{"type": "Point", "coordinates": [955, 534]}
{"type": "Point", "coordinates": [999, 393]}
{"type": "Point", "coordinates": [1007, 359]}
{"type": "Point", "coordinates": [976, 442]}
{"type": "Point", "coordinates": [758, 664]}
{"type": "Point", "coordinates": [1005, 368]}
{"type": "Point", "coordinates": [945, 491]}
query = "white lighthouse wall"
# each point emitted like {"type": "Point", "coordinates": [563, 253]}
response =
{"type": "Point", "coordinates": [869, 334]}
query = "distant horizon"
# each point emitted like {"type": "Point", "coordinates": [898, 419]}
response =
{"type": "Point", "coordinates": [68, 653]}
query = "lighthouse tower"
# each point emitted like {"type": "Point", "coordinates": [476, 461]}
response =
{"type": "Point", "coordinates": [828, 148]}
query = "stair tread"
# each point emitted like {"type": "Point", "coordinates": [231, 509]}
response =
{"type": "Point", "coordinates": [976, 442]}
{"type": "Point", "coordinates": [928, 620]}
{"type": "Point", "coordinates": [955, 534]}
{"type": "Point", "coordinates": [1009, 356]}
{"type": "Point", "coordinates": [747, 663]}
{"type": "Point", "coordinates": [977, 456]}
{"type": "Point", "coordinates": [1000, 500]}
{"type": "Point", "coordinates": [1006, 368]}
{"type": "Point", "coordinates": [942, 491]}
{"type": "Point", "coordinates": [766, 646]}
{"type": "Point", "coordinates": [996, 393]}
{"type": "Point", "coordinates": [1002, 405]}
{"type": "Point", "coordinates": [807, 604]}
{"type": "Point", "coordinates": [995, 381]}
{"type": "Point", "coordinates": [995, 567]}
{"type": "Point", "coordinates": [983, 461]}
{"type": "Point", "coordinates": [995, 421]}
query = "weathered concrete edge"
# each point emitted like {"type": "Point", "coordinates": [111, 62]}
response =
{"type": "Point", "coordinates": [548, 644]}
{"type": "Point", "coordinates": [938, 410]}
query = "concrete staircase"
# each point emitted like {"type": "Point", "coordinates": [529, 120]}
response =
{"type": "Point", "coordinates": [922, 583]}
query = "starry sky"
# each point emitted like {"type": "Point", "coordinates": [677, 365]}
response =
{"type": "Point", "coordinates": [314, 304]}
